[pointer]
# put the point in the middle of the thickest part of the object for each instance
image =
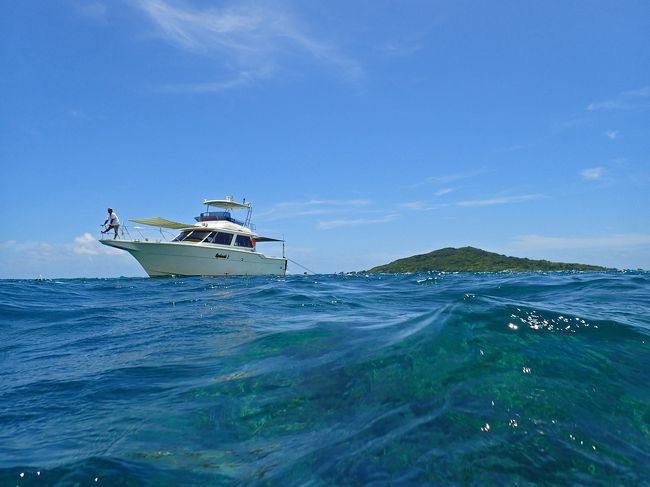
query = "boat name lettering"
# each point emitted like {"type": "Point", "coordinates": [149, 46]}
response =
{"type": "Point", "coordinates": [221, 256]}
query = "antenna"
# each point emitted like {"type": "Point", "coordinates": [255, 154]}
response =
{"type": "Point", "coordinates": [247, 223]}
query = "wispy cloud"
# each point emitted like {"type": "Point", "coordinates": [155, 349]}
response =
{"type": "Point", "coordinates": [627, 100]}
{"type": "Point", "coordinates": [84, 244]}
{"type": "Point", "coordinates": [444, 191]}
{"type": "Point", "coordinates": [607, 105]}
{"type": "Point", "coordinates": [615, 241]}
{"type": "Point", "coordinates": [240, 80]}
{"type": "Point", "coordinates": [353, 202]}
{"type": "Point", "coordinates": [403, 48]}
{"type": "Point", "coordinates": [328, 225]}
{"type": "Point", "coordinates": [502, 200]}
{"type": "Point", "coordinates": [592, 173]}
{"type": "Point", "coordinates": [77, 115]}
{"type": "Point", "coordinates": [250, 40]}
{"type": "Point", "coordinates": [81, 256]}
{"type": "Point", "coordinates": [449, 178]}
{"type": "Point", "coordinates": [642, 92]}
{"type": "Point", "coordinates": [516, 147]}
{"type": "Point", "coordinates": [293, 209]}
{"type": "Point", "coordinates": [611, 134]}
{"type": "Point", "coordinates": [446, 178]}
{"type": "Point", "coordinates": [423, 205]}
{"type": "Point", "coordinates": [570, 124]}
{"type": "Point", "coordinates": [28, 248]}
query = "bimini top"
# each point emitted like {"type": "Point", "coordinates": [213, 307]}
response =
{"type": "Point", "coordinates": [227, 204]}
{"type": "Point", "coordinates": [163, 223]}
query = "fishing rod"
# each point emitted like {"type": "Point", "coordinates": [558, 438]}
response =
{"type": "Point", "coordinates": [300, 265]}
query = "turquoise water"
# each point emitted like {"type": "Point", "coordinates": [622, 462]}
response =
{"type": "Point", "coordinates": [415, 379]}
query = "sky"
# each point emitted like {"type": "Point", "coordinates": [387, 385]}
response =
{"type": "Point", "coordinates": [361, 132]}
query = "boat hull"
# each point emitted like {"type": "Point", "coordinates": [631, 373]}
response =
{"type": "Point", "coordinates": [183, 259]}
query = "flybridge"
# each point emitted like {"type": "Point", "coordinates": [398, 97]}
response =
{"type": "Point", "coordinates": [227, 204]}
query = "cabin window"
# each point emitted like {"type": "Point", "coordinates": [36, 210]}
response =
{"type": "Point", "coordinates": [243, 241]}
{"type": "Point", "coordinates": [182, 236]}
{"type": "Point", "coordinates": [222, 238]}
{"type": "Point", "coordinates": [196, 236]}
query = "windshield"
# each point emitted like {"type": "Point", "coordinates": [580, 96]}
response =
{"type": "Point", "coordinates": [191, 236]}
{"type": "Point", "coordinates": [222, 238]}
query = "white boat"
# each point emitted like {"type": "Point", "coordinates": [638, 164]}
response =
{"type": "Point", "coordinates": [217, 245]}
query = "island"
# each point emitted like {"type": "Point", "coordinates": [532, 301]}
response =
{"type": "Point", "coordinates": [470, 259]}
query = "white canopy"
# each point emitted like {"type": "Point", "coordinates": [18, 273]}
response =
{"type": "Point", "coordinates": [163, 222]}
{"type": "Point", "coordinates": [227, 204]}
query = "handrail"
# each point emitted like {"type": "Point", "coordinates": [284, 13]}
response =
{"type": "Point", "coordinates": [125, 229]}
{"type": "Point", "coordinates": [164, 235]}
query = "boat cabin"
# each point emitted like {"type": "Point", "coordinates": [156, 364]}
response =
{"type": "Point", "coordinates": [216, 237]}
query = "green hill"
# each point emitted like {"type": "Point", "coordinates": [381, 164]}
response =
{"type": "Point", "coordinates": [470, 259]}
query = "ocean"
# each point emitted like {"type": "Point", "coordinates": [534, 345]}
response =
{"type": "Point", "coordinates": [410, 379]}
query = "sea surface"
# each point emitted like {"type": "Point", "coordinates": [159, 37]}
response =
{"type": "Point", "coordinates": [410, 379]}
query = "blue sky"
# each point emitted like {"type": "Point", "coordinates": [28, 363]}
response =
{"type": "Point", "coordinates": [361, 131]}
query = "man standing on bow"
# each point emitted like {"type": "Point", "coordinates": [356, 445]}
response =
{"type": "Point", "coordinates": [113, 223]}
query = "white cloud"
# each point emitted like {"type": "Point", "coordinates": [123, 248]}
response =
{"type": "Point", "coordinates": [328, 225]}
{"type": "Point", "coordinates": [84, 244]}
{"type": "Point", "coordinates": [357, 202]}
{"type": "Point", "coordinates": [539, 242]}
{"type": "Point", "coordinates": [241, 79]}
{"type": "Point", "coordinates": [570, 124]}
{"type": "Point", "coordinates": [292, 209]}
{"type": "Point", "coordinates": [444, 191]}
{"type": "Point", "coordinates": [516, 147]}
{"type": "Point", "coordinates": [423, 205]}
{"type": "Point", "coordinates": [446, 178]}
{"type": "Point", "coordinates": [641, 92]}
{"type": "Point", "coordinates": [611, 134]}
{"type": "Point", "coordinates": [402, 48]}
{"type": "Point", "coordinates": [592, 174]}
{"type": "Point", "coordinates": [82, 256]}
{"type": "Point", "coordinates": [627, 100]}
{"type": "Point", "coordinates": [606, 105]}
{"type": "Point", "coordinates": [77, 114]}
{"type": "Point", "coordinates": [28, 248]}
{"type": "Point", "coordinates": [248, 39]}
{"type": "Point", "coordinates": [502, 200]}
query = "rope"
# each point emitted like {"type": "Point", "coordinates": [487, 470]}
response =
{"type": "Point", "coordinates": [300, 265]}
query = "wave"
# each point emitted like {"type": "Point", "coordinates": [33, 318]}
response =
{"type": "Point", "coordinates": [405, 379]}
